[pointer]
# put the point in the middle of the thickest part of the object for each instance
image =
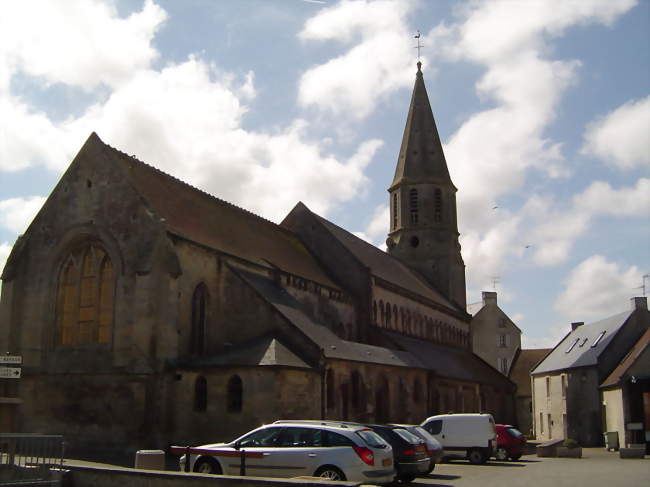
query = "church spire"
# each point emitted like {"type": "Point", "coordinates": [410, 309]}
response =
{"type": "Point", "coordinates": [423, 224]}
{"type": "Point", "coordinates": [421, 157]}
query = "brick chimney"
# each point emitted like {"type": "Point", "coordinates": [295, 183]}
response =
{"type": "Point", "coordinates": [576, 324]}
{"type": "Point", "coordinates": [639, 303]}
{"type": "Point", "coordinates": [489, 297]}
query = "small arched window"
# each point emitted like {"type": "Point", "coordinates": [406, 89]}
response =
{"type": "Point", "coordinates": [235, 394]}
{"type": "Point", "coordinates": [437, 205]}
{"type": "Point", "coordinates": [374, 312]}
{"type": "Point", "coordinates": [357, 390]}
{"type": "Point", "coordinates": [200, 394]}
{"type": "Point", "coordinates": [330, 392]}
{"type": "Point", "coordinates": [388, 317]}
{"type": "Point", "coordinates": [413, 205]}
{"type": "Point", "coordinates": [199, 320]}
{"type": "Point", "coordinates": [85, 297]}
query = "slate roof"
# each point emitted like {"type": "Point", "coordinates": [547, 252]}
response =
{"type": "Point", "coordinates": [450, 362]}
{"type": "Point", "coordinates": [473, 308]}
{"type": "Point", "coordinates": [524, 362]}
{"type": "Point", "coordinates": [263, 351]}
{"type": "Point", "coordinates": [385, 266]}
{"type": "Point", "coordinates": [421, 157]}
{"type": "Point", "coordinates": [582, 354]}
{"type": "Point", "coordinates": [204, 219]}
{"type": "Point", "coordinates": [332, 346]}
{"type": "Point", "coordinates": [621, 371]}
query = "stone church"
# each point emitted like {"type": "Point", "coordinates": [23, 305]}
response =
{"type": "Point", "coordinates": [150, 313]}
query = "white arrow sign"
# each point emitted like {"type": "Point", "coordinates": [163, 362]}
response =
{"type": "Point", "coordinates": [10, 372]}
{"type": "Point", "coordinates": [11, 359]}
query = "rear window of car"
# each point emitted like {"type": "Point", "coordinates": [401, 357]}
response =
{"type": "Point", "coordinates": [422, 433]}
{"type": "Point", "coordinates": [514, 432]}
{"type": "Point", "coordinates": [372, 439]}
{"type": "Point", "coordinates": [407, 435]}
{"type": "Point", "coordinates": [434, 427]}
{"type": "Point", "coordinates": [336, 439]}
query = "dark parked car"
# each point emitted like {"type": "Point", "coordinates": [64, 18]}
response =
{"type": "Point", "coordinates": [433, 446]}
{"type": "Point", "coordinates": [510, 442]}
{"type": "Point", "coordinates": [409, 451]}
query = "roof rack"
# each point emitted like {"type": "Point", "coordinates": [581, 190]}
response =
{"type": "Point", "coordinates": [323, 422]}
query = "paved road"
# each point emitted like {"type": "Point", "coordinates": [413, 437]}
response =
{"type": "Point", "coordinates": [596, 468]}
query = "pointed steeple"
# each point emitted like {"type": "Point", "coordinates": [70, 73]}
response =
{"type": "Point", "coordinates": [421, 157]}
{"type": "Point", "coordinates": [423, 222]}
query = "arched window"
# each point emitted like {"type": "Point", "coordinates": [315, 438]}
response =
{"type": "Point", "coordinates": [374, 312]}
{"type": "Point", "coordinates": [395, 211]}
{"type": "Point", "coordinates": [417, 391]}
{"type": "Point", "coordinates": [413, 205]}
{"type": "Point", "coordinates": [85, 297]}
{"type": "Point", "coordinates": [200, 394]}
{"type": "Point", "coordinates": [396, 316]}
{"type": "Point", "coordinates": [388, 318]}
{"type": "Point", "coordinates": [235, 394]}
{"type": "Point", "coordinates": [199, 320]}
{"type": "Point", "coordinates": [382, 312]}
{"type": "Point", "coordinates": [437, 205]}
{"type": "Point", "coordinates": [382, 400]}
{"type": "Point", "coordinates": [357, 390]}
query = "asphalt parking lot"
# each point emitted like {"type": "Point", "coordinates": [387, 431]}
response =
{"type": "Point", "coordinates": [596, 468]}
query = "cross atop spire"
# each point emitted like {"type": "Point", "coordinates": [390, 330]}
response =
{"type": "Point", "coordinates": [418, 47]}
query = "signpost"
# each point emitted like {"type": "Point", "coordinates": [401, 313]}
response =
{"type": "Point", "coordinates": [9, 372]}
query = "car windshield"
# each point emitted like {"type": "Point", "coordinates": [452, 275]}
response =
{"type": "Point", "coordinates": [514, 432]}
{"type": "Point", "coordinates": [372, 439]}
{"type": "Point", "coordinates": [422, 433]}
{"type": "Point", "coordinates": [408, 436]}
{"type": "Point", "coordinates": [265, 437]}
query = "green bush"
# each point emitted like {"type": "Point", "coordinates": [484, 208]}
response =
{"type": "Point", "coordinates": [570, 443]}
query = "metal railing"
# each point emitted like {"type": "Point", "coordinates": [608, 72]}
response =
{"type": "Point", "coordinates": [30, 459]}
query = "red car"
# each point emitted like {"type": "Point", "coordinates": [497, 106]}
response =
{"type": "Point", "coordinates": [510, 442]}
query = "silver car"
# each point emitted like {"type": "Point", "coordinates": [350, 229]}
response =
{"type": "Point", "coordinates": [292, 449]}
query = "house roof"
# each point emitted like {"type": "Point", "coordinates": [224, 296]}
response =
{"type": "Point", "coordinates": [385, 266]}
{"type": "Point", "coordinates": [577, 348]}
{"type": "Point", "coordinates": [524, 362]}
{"type": "Point", "coordinates": [473, 308]}
{"type": "Point", "coordinates": [619, 374]}
{"type": "Point", "coordinates": [197, 216]}
{"type": "Point", "coordinates": [450, 362]}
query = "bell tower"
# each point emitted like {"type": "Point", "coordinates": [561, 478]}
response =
{"type": "Point", "coordinates": [423, 226]}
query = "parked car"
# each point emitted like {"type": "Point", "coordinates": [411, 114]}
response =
{"type": "Point", "coordinates": [510, 442]}
{"type": "Point", "coordinates": [473, 435]}
{"type": "Point", "coordinates": [433, 446]}
{"type": "Point", "coordinates": [409, 451]}
{"type": "Point", "coordinates": [291, 449]}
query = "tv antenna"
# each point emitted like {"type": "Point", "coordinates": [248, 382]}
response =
{"type": "Point", "coordinates": [643, 286]}
{"type": "Point", "coordinates": [495, 281]}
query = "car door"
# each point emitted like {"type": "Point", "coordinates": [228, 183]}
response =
{"type": "Point", "coordinates": [296, 453]}
{"type": "Point", "coordinates": [259, 447]}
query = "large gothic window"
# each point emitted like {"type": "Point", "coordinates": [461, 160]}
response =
{"type": "Point", "coordinates": [199, 320]}
{"type": "Point", "coordinates": [85, 297]}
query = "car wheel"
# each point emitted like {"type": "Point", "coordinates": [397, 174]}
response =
{"type": "Point", "coordinates": [431, 467]}
{"type": "Point", "coordinates": [406, 478]}
{"type": "Point", "coordinates": [514, 458]}
{"type": "Point", "coordinates": [501, 454]}
{"type": "Point", "coordinates": [476, 456]}
{"type": "Point", "coordinates": [207, 465]}
{"type": "Point", "coordinates": [330, 473]}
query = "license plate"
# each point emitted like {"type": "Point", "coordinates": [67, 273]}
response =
{"type": "Point", "coordinates": [387, 462]}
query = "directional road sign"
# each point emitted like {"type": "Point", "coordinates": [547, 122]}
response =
{"type": "Point", "coordinates": [11, 359]}
{"type": "Point", "coordinates": [10, 372]}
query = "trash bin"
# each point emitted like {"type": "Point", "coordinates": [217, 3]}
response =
{"type": "Point", "coordinates": [611, 440]}
{"type": "Point", "coordinates": [150, 459]}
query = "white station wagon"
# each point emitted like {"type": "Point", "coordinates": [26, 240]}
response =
{"type": "Point", "coordinates": [293, 449]}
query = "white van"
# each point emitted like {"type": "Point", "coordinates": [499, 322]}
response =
{"type": "Point", "coordinates": [472, 434]}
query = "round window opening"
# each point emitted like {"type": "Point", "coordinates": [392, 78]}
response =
{"type": "Point", "coordinates": [415, 242]}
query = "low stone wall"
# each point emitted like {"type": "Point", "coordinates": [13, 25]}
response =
{"type": "Point", "coordinates": [79, 476]}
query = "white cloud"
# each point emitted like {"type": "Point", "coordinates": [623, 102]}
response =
{"type": "Point", "coordinates": [17, 213]}
{"type": "Point", "coordinates": [351, 85]}
{"type": "Point", "coordinates": [5, 249]}
{"type": "Point", "coordinates": [495, 150]}
{"type": "Point", "coordinates": [81, 43]}
{"type": "Point", "coordinates": [376, 231]}
{"type": "Point", "coordinates": [622, 137]}
{"type": "Point", "coordinates": [600, 199]}
{"type": "Point", "coordinates": [596, 289]}
{"type": "Point", "coordinates": [552, 338]}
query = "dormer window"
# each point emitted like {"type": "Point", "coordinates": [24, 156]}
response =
{"type": "Point", "coordinates": [584, 340]}
{"type": "Point", "coordinates": [573, 344]}
{"type": "Point", "coordinates": [598, 338]}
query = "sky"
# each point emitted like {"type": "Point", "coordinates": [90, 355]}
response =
{"type": "Point", "coordinates": [543, 108]}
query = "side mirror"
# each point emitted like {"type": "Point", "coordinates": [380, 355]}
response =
{"type": "Point", "coordinates": [237, 445]}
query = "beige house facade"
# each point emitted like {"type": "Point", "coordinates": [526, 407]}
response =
{"type": "Point", "coordinates": [567, 399]}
